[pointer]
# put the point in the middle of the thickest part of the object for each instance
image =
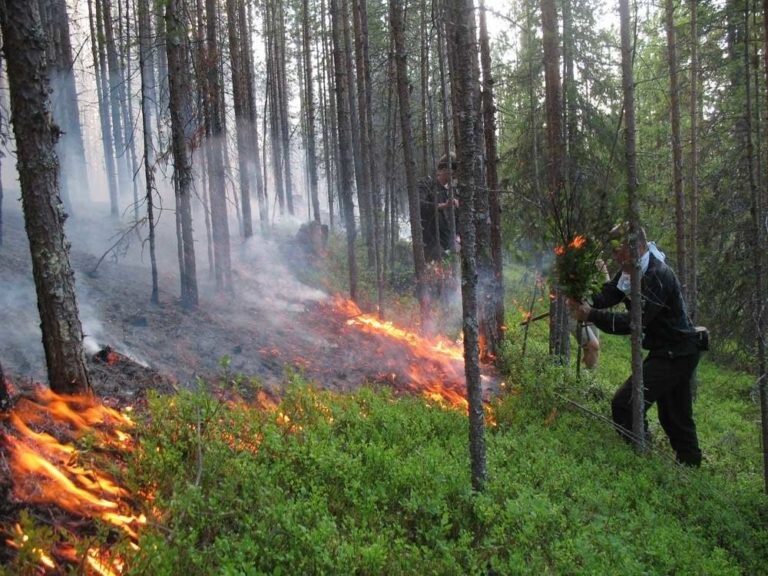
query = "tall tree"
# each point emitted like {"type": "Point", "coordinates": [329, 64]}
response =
{"type": "Point", "coordinates": [677, 147]}
{"type": "Point", "coordinates": [409, 160]}
{"type": "Point", "coordinates": [282, 97]}
{"type": "Point", "coordinates": [494, 292]}
{"type": "Point", "coordinates": [102, 91]}
{"type": "Point", "coordinates": [70, 148]}
{"type": "Point", "coordinates": [364, 188]}
{"type": "Point", "coordinates": [462, 40]}
{"type": "Point", "coordinates": [309, 103]}
{"type": "Point", "coordinates": [179, 85]}
{"type": "Point", "coordinates": [147, 79]}
{"type": "Point", "coordinates": [559, 338]}
{"type": "Point", "coordinates": [116, 81]}
{"type": "Point", "coordinates": [242, 126]}
{"type": "Point", "coordinates": [636, 318]}
{"type": "Point", "coordinates": [35, 134]}
{"type": "Point", "coordinates": [693, 188]}
{"type": "Point", "coordinates": [758, 253]}
{"type": "Point", "coordinates": [346, 168]}
{"type": "Point", "coordinates": [244, 22]}
{"type": "Point", "coordinates": [215, 147]}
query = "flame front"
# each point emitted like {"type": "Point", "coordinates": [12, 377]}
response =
{"type": "Point", "coordinates": [435, 367]}
{"type": "Point", "coordinates": [49, 471]}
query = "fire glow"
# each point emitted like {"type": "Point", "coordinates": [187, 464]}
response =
{"type": "Point", "coordinates": [436, 369]}
{"type": "Point", "coordinates": [49, 469]}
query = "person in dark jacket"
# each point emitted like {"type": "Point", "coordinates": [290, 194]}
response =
{"type": "Point", "coordinates": [668, 335]}
{"type": "Point", "coordinates": [435, 204]}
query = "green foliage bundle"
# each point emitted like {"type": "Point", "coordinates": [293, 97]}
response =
{"type": "Point", "coordinates": [576, 267]}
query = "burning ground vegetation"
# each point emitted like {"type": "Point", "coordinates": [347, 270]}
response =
{"type": "Point", "coordinates": [69, 501]}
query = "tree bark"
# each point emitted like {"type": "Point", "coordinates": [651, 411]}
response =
{"type": "Point", "coordinates": [693, 189]}
{"type": "Point", "coordinates": [216, 176]}
{"type": "Point", "coordinates": [244, 20]}
{"type": "Point", "coordinates": [559, 338]}
{"type": "Point", "coordinates": [346, 167]}
{"type": "Point", "coordinates": [102, 90]}
{"type": "Point", "coordinates": [462, 41]}
{"type": "Point", "coordinates": [494, 293]}
{"type": "Point", "coordinates": [365, 187]}
{"type": "Point", "coordinates": [147, 77]}
{"type": "Point", "coordinates": [36, 135]}
{"type": "Point", "coordinates": [70, 148]}
{"type": "Point", "coordinates": [403, 90]}
{"type": "Point", "coordinates": [116, 92]}
{"type": "Point", "coordinates": [677, 148]}
{"type": "Point", "coordinates": [636, 314]}
{"type": "Point", "coordinates": [309, 103]}
{"type": "Point", "coordinates": [179, 86]}
{"type": "Point", "coordinates": [281, 84]}
{"type": "Point", "coordinates": [242, 126]}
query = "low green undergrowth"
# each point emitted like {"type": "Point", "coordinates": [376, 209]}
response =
{"type": "Point", "coordinates": [371, 484]}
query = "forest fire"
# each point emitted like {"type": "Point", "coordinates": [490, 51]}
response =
{"type": "Point", "coordinates": [434, 367]}
{"type": "Point", "coordinates": [58, 448]}
{"type": "Point", "coordinates": [62, 466]}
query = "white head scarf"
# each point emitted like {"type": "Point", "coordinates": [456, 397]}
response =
{"type": "Point", "coordinates": [624, 284]}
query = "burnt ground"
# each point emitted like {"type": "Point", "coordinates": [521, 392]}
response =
{"type": "Point", "coordinates": [270, 324]}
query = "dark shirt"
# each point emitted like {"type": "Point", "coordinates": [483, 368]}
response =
{"type": "Point", "coordinates": [667, 329]}
{"type": "Point", "coordinates": [435, 222]}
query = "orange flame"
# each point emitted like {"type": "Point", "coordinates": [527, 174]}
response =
{"type": "Point", "coordinates": [578, 241]}
{"type": "Point", "coordinates": [49, 471]}
{"type": "Point", "coordinates": [437, 368]}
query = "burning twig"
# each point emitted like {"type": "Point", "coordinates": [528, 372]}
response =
{"type": "Point", "coordinates": [534, 319]}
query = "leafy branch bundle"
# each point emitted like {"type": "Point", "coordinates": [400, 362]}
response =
{"type": "Point", "coordinates": [576, 267]}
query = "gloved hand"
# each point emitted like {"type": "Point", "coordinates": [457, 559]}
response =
{"type": "Point", "coordinates": [579, 310]}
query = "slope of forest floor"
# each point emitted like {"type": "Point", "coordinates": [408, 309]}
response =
{"type": "Point", "coordinates": [270, 322]}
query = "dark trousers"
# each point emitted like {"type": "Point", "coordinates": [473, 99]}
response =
{"type": "Point", "coordinates": [667, 381]}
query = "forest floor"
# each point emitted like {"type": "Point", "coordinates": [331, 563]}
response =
{"type": "Point", "coordinates": [269, 324]}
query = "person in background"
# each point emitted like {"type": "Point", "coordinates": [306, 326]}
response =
{"type": "Point", "coordinates": [668, 335]}
{"type": "Point", "coordinates": [436, 206]}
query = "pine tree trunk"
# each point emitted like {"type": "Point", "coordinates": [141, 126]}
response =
{"type": "Point", "coordinates": [35, 135]}
{"type": "Point", "coordinates": [309, 103]}
{"type": "Point", "coordinates": [242, 127]}
{"type": "Point", "coordinates": [364, 188]}
{"type": "Point", "coordinates": [70, 148]}
{"type": "Point", "coordinates": [163, 79]}
{"type": "Point", "coordinates": [345, 141]}
{"type": "Point", "coordinates": [116, 92]}
{"type": "Point", "coordinates": [145, 46]}
{"type": "Point", "coordinates": [462, 40]}
{"type": "Point", "coordinates": [330, 138]}
{"type": "Point", "coordinates": [362, 14]}
{"type": "Point", "coordinates": [677, 148]}
{"type": "Point", "coordinates": [494, 292]}
{"type": "Point", "coordinates": [216, 175]}
{"type": "Point", "coordinates": [403, 90]}
{"type": "Point", "coordinates": [180, 88]}
{"type": "Point", "coordinates": [244, 20]}
{"type": "Point", "coordinates": [636, 322]}
{"type": "Point", "coordinates": [276, 143]}
{"type": "Point", "coordinates": [102, 90]}
{"type": "Point", "coordinates": [354, 121]}
{"type": "Point", "coordinates": [282, 103]}
{"type": "Point", "coordinates": [126, 103]}
{"type": "Point", "coordinates": [693, 268]}
{"type": "Point", "coordinates": [759, 305]}
{"type": "Point", "coordinates": [559, 338]}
